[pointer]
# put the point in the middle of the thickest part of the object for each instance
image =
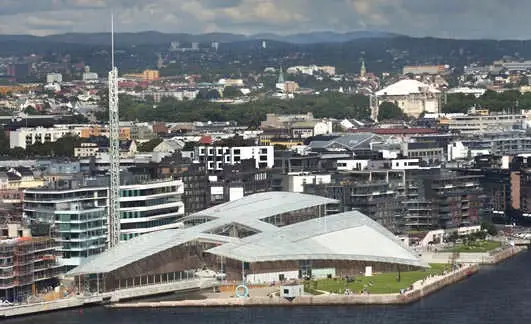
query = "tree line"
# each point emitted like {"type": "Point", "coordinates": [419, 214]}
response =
{"type": "Point", "coordinates": [169, 109]}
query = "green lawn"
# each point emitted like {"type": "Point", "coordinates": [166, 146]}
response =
{"type": "Point", "coordinates": [475, 247]}
{"type": "Point", "coordinates": [383, 283]}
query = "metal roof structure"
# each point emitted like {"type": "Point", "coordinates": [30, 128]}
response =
{"type": "Point", "coordinates": [346, 236]}
{"type": "Point", "coordinates": [248, 211]}
{"type": "Point", "coordinates": [349, 142]}
{"type": "Point", "coordinates": [407, 87]}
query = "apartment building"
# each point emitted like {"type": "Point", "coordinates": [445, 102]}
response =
{"type": "Point", "coordinates": [215, 157]}
{"type": "Point", "coordinates": [76, 212]}
{"type": "Point", "coordinates": [23, 137]}
{"type": "Point", "coordinates": [477, 124]}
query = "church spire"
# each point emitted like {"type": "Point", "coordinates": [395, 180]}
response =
{"type": "Point", "coordinates": [363, 69]}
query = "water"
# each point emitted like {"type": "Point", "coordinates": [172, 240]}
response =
{"type": "Point", "coordinates": [500, 294]}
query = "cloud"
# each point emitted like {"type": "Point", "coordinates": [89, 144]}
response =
{"type": "Point", "coordinates": [454, 18]}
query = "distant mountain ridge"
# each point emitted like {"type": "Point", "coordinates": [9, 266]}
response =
{"type": "Point", "coordinates": [158, 38]}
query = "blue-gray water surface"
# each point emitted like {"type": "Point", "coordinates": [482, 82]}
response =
{"type": "Point", "coordinates": [499, 294]}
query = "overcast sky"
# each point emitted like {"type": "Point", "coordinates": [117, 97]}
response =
{"type": "Point", "coordinates": [499, 19]}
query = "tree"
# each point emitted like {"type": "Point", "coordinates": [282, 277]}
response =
{"type": "Point", "coordinates": [490, 228]}
{"type": "Point", "coordinates": [231, 92]}
{"type": "Point", "coordinates": [524, 81]}
{"type": "Point", "coordinates": [30, 110]}
{"type": "Point", "coordinates": [149, 146]}
{"type": "Point", "coordinates": [390, 111]}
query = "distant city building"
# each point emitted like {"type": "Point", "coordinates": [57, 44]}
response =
{"type": "Point", "coordinates": [215, 157]}
{"type": "Point", "coordinates": [90, 76]}
{"type": "Point", "coordinates": [412, 96]}
{"type": "Point", "coordinates": [477, 124]}
{"type": "Point", "coordinates": [23, 137]}
{"type": "Point", "coordinates": [54, 78]}
{"type": "Point", "coordinates": [426, 69]}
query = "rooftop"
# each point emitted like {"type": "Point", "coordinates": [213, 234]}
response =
{"type": "Point", "coordinates": [406, 87]}
{"type": "Point", "coordinates": [346, 236]}
{"type": "Point", "coordinates": [248, 211]}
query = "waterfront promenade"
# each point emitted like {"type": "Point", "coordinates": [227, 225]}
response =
{"type": "Point", "coordinates": [420, 289]}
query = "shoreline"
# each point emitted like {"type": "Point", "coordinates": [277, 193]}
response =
{"type": "Point", "coordinates": [419, 291]}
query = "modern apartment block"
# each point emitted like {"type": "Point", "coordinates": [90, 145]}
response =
{"type": "Point", "coordinates": [76, 212]}
{"type": "Point", "coordinates": [215, 157]}
{"type": "Point", "coordinates": [76, 216]}
{"type": "Point", "coordinates": [444, 199]}
{"type": "Point", "coordinates": [150, 207]}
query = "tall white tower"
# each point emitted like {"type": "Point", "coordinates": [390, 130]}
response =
{"type": "Point", "coordinates": [114, 151]}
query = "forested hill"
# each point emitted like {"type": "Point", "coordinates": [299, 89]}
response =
{"type": "Point", "coordinates": [381, 52]}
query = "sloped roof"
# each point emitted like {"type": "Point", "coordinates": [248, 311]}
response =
{"type": "Point", "coordinates": [406, 87]}
{"type": "Point", "coordinates": [248, 211]}
{"type": "Point", "coordinates": [346, 236]}
{"type": "Point", "coordinates": [349, 141]}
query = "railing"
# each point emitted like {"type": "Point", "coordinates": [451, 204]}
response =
{"type": "Point", "coordinates": [150, 280]}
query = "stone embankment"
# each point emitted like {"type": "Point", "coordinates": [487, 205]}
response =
{"type": "Point", "coordinates": [420, 289]}
{"type": "Point", "coordinates": [492, 257]}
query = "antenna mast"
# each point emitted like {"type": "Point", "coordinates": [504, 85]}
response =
{"type": "Point", "coordinates": [114, 152]}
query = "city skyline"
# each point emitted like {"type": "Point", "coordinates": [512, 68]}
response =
{"type": "Point", "coordinates": [449, 19]}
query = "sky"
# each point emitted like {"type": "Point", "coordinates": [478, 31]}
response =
{"type": "Point", "coordinates": [493, 19]}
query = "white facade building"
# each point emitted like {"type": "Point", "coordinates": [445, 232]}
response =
{"type": "Point", "coordinates": [90, 76]}
{"type": "Point", "coordinates": [476, 124]}
{"type": "Point", "coordinates": [150, 207]}
{"type": "Point", "coordinates": [350, 165]}
{"type": "Point", "coordinates": [217, 156]}
{"type": "Point", "coordinates": [23, 137]}
{"type": "Point", "coordinates": [295, 181]}
{"type": "Point", "coordinates": [405, 164]}
{"type": "Point", "coordinates": [54, 78]}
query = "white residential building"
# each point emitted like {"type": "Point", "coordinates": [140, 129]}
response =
{"type": "Point", "coordinates": [350, 165]}
{"type": "Point", "coordinates": [23, 137]}
{"type": "Point", "coordinates": [295, 181]}
{"type": "Point", "coordinates": [217, 156]}
{"type": "Point", "coordinates": [476, 124]}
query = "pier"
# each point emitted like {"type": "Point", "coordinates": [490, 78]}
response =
{"type": "Point", "coordinates": [139, 291]}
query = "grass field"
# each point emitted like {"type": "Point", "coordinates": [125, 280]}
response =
{"type": "Point", "coordinates": [383, 283]}
{"type": "Point", "coordinates": [475, 247]}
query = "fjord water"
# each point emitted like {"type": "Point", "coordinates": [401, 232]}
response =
{"type": "Point", "coordinates": [498, 294]}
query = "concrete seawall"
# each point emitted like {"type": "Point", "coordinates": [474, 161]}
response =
{"type": "Point", "coordinates": [473, 258]}
{"type": "Point", "coordinates": [417, 293]}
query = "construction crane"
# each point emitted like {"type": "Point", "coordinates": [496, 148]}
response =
{"type": "Point", "coordinates": [114, 151]}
